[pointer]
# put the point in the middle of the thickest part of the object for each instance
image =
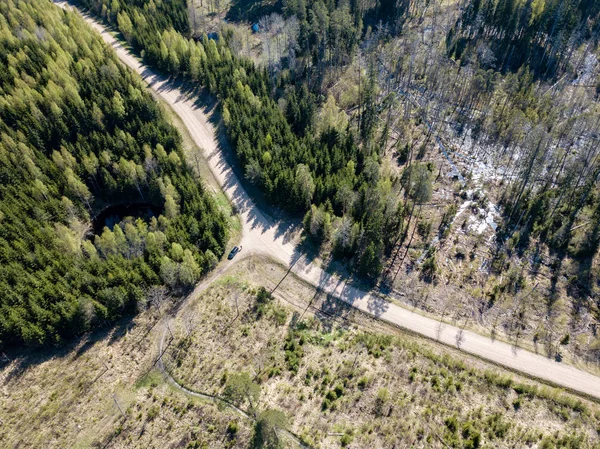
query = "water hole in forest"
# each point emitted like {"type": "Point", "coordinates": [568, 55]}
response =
{"type": "Point", "coordinates": [112, 215]}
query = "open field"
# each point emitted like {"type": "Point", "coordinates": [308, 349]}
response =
{"type": "Point", "coordinates": [344, 380]}
{"type": "Point", "coordinates": [69, 398]}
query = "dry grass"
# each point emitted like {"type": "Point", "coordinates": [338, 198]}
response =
{"type": "Point", "coordinates": [349, 380]}
{"type": "Point", "coordinates": [67, 398]}
{"type": "Point", "coordinates": [394, 392]}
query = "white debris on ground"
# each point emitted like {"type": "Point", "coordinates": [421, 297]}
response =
{"type": "Point", "coordinates": [474, 159]}
{"type": "Point", "coordinates": [586, 71]}
{"type": "Point", "coordinates": [490, 218]}
{"type": "Point", "coordinates": [484, 219]}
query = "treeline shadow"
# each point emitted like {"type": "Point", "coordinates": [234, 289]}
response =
{"type": "Point", "coordinates": [252, 10]}
{"type": "Point", "coordinates": [22, 359]}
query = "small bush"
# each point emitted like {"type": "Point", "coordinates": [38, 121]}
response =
{"type": "Point", "coordinates": [471, 435]}
{"type": "Point", "coordinates": [263, 299]}
{"type": "Point", "coordinates": [452, 424]}
{"type": "Point", "coordinates": [152, 412]}
{"type": "Point", "coordinates": [293, 351]}
{"type": "Point", "coordinates": [413, 374]}
{"type": "Point", "coordinates": [363, 382]}
{"type": "Point", "coordinates": [517, 403]}
{"type": "Point", "coordinates": [279, 315]}
{"type": "Point", "coordinates": [383, 396]}
{"type": "Point", "coordinates": [497, 427]}
{"type": "Point", "coordinates": [424, 228]}
{"type": "Point", "coordinates": [346, 439]}
{"type": "Point", "coordinates": [529, 390]}
{"type": "Point", "coordinates": [232, 428]}
{"type": "Point", "coordinates": [274, 371]}
{"type": "Point", "coordinates": [375, 344]}
{"type": "Point", "coordinates": [435, 383]}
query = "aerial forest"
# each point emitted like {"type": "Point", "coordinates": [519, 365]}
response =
{"type": "Point", "coordinates": [78, 135]}
{"type": "Point", "coordinates": [329, 176]}
{"type": "Point", "coordinates": [375, 121]}
{"type": "Point", "coordinates": [379, 124]}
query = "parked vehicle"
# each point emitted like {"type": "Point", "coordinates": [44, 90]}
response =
{"type": "Point", "coordinates": [233, 252]}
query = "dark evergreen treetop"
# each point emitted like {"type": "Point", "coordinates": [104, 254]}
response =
{"type": "Point", "coordinates": [539, 34]}
{"type": "Point", "coordinates": [78, 133]}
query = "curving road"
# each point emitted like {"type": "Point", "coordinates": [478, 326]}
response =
{"type": "Point", "coordinates": [262, 234]}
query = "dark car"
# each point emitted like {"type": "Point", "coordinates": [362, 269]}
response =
{"type": "Point", "coordinates": [233, 252]}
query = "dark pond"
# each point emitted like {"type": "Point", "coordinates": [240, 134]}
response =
{"type": "Point", "coordinates": [112, 215]}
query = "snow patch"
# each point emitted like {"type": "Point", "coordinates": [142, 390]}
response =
{"type": "Point", "coordinates": [485, 218]}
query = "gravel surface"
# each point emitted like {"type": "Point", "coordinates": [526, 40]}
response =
{"type": "Point", "coordinates": [278, 239]}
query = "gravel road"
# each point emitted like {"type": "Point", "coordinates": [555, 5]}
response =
{"type": "Point", "coordinates": [263, 235]}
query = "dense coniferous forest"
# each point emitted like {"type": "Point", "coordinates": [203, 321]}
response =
{"type": "Point", "coordinates": [329, 172]}
{"type": "Point", "coordinates": [540, 34]}
{"type": "Point", "coordinates": [78, 133]}
{"type": "Point", "coordinates": [363, 110]}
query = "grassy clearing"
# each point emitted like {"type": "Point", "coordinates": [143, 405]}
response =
{"type": "Point", "coordinates": [350, 382]}
{"type": "Point", "coordinates": [67, 398]}
{"type": "Point", "coordinates": [364, 385]}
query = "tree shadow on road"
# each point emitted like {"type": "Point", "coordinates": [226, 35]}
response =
{"type": "Point", "coordinates": [334, 278]}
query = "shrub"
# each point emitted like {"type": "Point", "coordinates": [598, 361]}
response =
{"type": "Point", "coordinates": [452, 424]}
{"type": "Point", "coordinates": [363, 382]}
{"type": "Point", "coordinates": [274, 371]}
{"type": "Point", "coordinates": [331, 396]}
{"type": "Point", "coordinates": [517, 403]}
{"type": "Point", "coordinates": [346, 439]}
{"type": "Point", "coordinates": [424, 228]}
{"type": "Point", "coordinates": [263, 299]}
{"type": "Point", "coordinates": [232, 428]}
{"type": "Point", "coordinates": [529, 390]}
{"type": "Point", "coordinates": [293, 351]}
{"type": "Point", "coordinates": [279, 315]}
{"type": "Point", "coordinates": [152, 412]}
{"type": "Point", "coordinates": [383, 396]}
{"type": "Point", "coordinates": [413, 374]}
{"type": "Point", "coordinates": [375, 344]}
{"type": "Point", "coordinates": [496, 426]}
{"type": "Point", "coordinates": [429, 267]}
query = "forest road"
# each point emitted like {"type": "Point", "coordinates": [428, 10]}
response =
{"type": "Point", "coordinates": [277, 239]}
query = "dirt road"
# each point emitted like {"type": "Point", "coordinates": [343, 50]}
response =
{"type": "Point", "coordinates": [263, 235]}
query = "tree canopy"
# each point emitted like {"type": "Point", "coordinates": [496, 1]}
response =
{"type": "Point", "coordinates": [540, 34]}
{"type": "Point", "coordinates": [79, 133]}
{"type": "Point", "coordinates": [293, 167]}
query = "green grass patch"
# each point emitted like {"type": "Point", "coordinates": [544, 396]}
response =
{"type": "Point", "coordinates": [151, 379]}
